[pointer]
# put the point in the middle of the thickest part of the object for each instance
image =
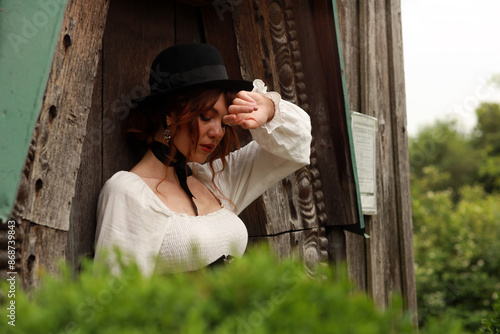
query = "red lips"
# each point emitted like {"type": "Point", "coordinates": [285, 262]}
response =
{"type": "Point", "coordinates": [207, 147]}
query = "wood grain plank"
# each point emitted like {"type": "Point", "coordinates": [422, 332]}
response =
{"type": "Point", "coordinates": [391, 196]}
{"type": "Point", "coordinates": [352, 37]}
{"type": "Point", "coordinates": [42, 249]}
{"type": "Point", "coordinates": [248, 33]}
{"type": "Point", "coordinates": [135, 34]}
{"type": "Point", "coordinates": [356, 259]}
{"type": "Point", "coordinates": [221, 34]}
{"type": "Point", "coordinates": [376, 265]}
{"type": "Point", "coordinates": [331, 76]}
{"type": "Point", "coordinates": [337, 245]}
{"type": "Point", "coordinates": [188, 25]}
{"type": "Point", "coordinates": [88, 183]}
{"type": "Point", "coordinates": [402, 166]}
{"type": "Point", "coordinates": [385, 261]}
{"type": "Point", "coordinates": [63, 118]}
{"type": "Point", "coordinates": [386, 144]}
{"type": "Point", "coordinates": [324, 146]}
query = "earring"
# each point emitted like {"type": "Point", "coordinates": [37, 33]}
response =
{"type": "Point", "coordinates": [167, 135]}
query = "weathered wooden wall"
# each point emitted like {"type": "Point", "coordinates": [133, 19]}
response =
{"type": "Point", "coordinates": [293, 46]}
{"type": "Point", "coordinates": [48, 188]}
{"type": "Point", "coordinates": [293, 215]}
{"type": "Point", "coordinates": [373, 55]}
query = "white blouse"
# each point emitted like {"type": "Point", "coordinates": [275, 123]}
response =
{"type": "Point", "coordinates": [131, 217]}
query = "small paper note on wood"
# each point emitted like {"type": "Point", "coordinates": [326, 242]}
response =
{"type": "Point", "coordinates": [364, 133]}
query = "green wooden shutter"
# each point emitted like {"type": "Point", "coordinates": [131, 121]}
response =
{"type": "Point", "coordinates": [358, 228]}
{"type": "Point", "coordinates": [29, 31]}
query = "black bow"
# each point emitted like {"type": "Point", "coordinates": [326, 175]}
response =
{"type": "Point", "coordinates": [162, 153]}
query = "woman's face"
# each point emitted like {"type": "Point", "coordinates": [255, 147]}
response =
{"type": "Point", "coordinates": [211, 132]}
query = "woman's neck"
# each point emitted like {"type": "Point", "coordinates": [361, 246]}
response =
{"type": "Point", "coordinates": [151, 167]}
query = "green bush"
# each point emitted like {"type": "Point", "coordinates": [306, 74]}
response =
{"type": "Point", "coordinates": [455, 183]}
{"type": "Point", "coordinates": [491, 324]}
{"type": "Point", "coordinates": [256, 294]}
{"type": "Point", "coordinates": [456, 252]}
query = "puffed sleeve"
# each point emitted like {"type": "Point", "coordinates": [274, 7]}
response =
{"type": "Point", "coordinates": [123, 207]}
{"type": "Point", "coordinates": [288, 134]}
{"type": "Point", "coordinates": [278, 148]}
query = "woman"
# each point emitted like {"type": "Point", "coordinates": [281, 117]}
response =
{"type": "Point", "coordinates": [177, 208]}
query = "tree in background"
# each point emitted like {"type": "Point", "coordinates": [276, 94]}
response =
{"type": "Point", "coordinates": [487, 142]}
{"type": "Point", "coordinates": [444, 148]}
{"type": "Point", "coordinates": [455, 180]}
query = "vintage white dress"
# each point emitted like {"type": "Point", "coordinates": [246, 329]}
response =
{"type": "Point", "coordinates": [131, 217]}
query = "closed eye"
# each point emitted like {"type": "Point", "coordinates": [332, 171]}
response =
{"type": "Point", "coordinates": [204, 118]}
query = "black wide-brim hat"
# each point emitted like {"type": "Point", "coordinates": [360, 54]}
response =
{"type": "Point", "coordinates": [185, 67]}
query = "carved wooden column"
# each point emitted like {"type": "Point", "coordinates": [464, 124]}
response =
{"type": "Point", "coordinates": [291, 215]}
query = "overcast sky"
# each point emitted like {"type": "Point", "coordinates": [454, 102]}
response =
{"type": "Point", "coordinates": [451, 49]}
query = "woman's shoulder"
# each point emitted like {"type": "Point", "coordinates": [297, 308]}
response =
{"type": "Point", "coordinates": [123, 182]}
{"type": "Point", "coordinates": [126, 190]}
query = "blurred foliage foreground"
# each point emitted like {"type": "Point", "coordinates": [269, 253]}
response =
{"type": "Point", "coordinates": [455, 181]}
{"type": "Point", "coordinates": [255, 294]}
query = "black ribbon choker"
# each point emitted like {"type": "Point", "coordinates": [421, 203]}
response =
{"type": "Point", "coordinates": [182, 170]}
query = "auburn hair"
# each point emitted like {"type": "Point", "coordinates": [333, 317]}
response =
{"type": "Point", "coordinates": [184, 109]}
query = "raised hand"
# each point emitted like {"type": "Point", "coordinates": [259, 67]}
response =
{"type": "Point", "coordinates": [249, 110]}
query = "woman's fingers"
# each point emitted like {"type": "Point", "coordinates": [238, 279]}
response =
{"type": "Point", "coordinates": [245, 98]}
{"type": "Point", "coordinates": [229, 119]}
{"type": "Point", "coordinates": [238, 109]}
{"type": "Point", "coordinates": [248, 110]}
{"type": "Point", "coordinates": [245, 120]}
{"type": "Point", "coordinates": [243, 103]}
